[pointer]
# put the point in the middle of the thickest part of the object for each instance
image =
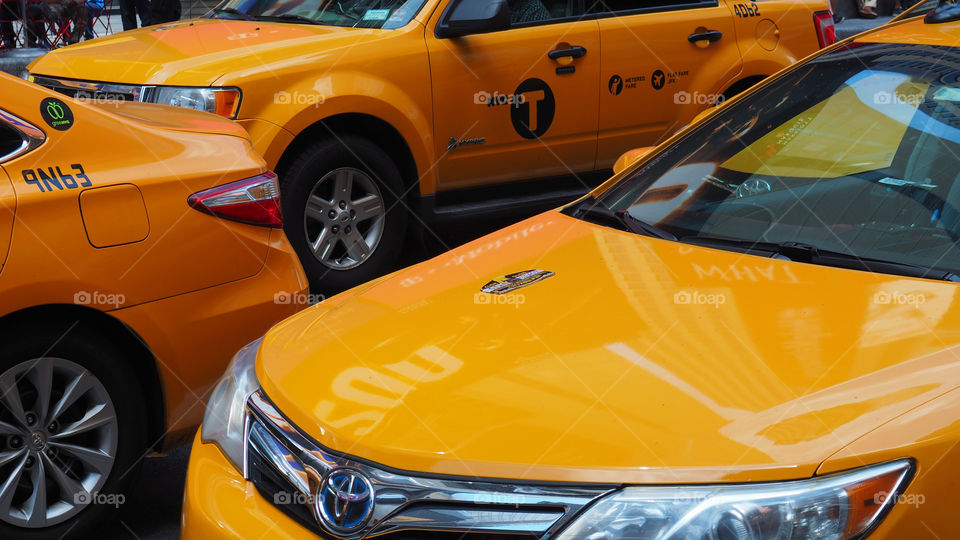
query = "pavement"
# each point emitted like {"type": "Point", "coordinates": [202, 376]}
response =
{"type": "Point", "coordinates": [152, 508]}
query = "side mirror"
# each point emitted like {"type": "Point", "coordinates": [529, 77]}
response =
{"type": "Point", "coordinates": [629, 158]}
{"type": "Point", "coordinates": [474, 17]}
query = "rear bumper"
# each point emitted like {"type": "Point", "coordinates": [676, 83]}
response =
{"type": "Point", "coordinates": [219, 504]}
{"type": "Point", "coordinates": [194, 335]}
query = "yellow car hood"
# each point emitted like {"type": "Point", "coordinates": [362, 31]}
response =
{"type": "Point", "coordinates": [194, 52]}
{"type": "Point", "coordinates": [641, 360]}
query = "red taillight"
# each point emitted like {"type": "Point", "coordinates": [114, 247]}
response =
{"type": "Point", "coordinates": [826, 32]}
{"type": "Point", "coordinates": [254, 200]}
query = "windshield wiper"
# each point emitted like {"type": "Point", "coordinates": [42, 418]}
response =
{"type": "Point", "coordinates": [234, 11]}
{"type": "Point", "coordinates": [290, 17]}
{"type": "Point", "coordinates": [800, 252]}
{"type": "Point", "coordinates": [594, 211]}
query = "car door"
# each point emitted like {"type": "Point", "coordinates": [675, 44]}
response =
{"type": "Point", "coordinates": [519, 103]}
{"type": "Point", "coordinates": [661, 64]}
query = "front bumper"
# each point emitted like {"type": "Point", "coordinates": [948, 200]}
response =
{"type": "Point", "coordinates": [219, 503]}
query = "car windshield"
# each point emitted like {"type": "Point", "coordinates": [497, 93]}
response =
{"type": "Point", "coordinates": [856, 152]}
{"type": "Point", "coordinates": [386, 14]}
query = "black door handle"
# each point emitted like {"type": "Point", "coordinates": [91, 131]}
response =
{"type": "Point", "coordinates": [709, 35]}
{"type": "Point", "coordinates": [573, 52]}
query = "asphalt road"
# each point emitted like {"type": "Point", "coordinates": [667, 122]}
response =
{"type": "Point", "coordinates": [152, 509]}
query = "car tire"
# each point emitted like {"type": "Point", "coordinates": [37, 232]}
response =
{"type": "Point", "coordinates": [326, 224]}
{"type": "Point", "coordinates": [104, 386]}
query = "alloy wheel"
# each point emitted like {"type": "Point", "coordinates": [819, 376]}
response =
{"type": "Point", "coordinates": [58, 441]}
{"type": "Point", "coordinates": [344, 218]}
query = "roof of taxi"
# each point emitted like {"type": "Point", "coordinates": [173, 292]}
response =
{"type": "Point", "coordinates": [915, 31]}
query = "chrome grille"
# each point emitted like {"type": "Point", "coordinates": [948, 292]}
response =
{"type": "Point", "coordinates": [287, 467]}
{"type": "Point", "coordinates": [91, 90]}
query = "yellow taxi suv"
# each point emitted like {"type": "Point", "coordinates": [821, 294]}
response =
{"type": "Point", "coordinates": [382, 117]}
{"type": "Point", "coordinates": [140, 247]}
{"type": "Point", "coordinates": [750, 333]}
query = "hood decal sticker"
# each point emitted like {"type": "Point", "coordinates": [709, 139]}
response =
{"type": "Point", "coordinates": [518, 280]}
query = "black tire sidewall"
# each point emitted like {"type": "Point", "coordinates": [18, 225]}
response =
{"type": "Point", "coordinates": [107, 365]}
{"type": "Point", "coordinates": [298, 180]}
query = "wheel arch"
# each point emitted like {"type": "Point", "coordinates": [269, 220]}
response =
{"type": "Point", "coordinates": [741, 84]}
{"type": "Point", "coordinates": [372, 128]}
{"type": "Point", "coordinates": [74, 318]}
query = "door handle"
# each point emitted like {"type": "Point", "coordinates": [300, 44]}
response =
{"type": "Point", "coordinates": [573, 52]}
{"type": "Point", "coordinates": [709, 35]}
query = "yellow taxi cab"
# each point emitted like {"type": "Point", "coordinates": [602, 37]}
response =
{"type": "Point", "coordinates": [140, 247]}
{"type": "Point", "coordinates": [750, 333]}
{"type": "Point", "coordinates": [380, 117]}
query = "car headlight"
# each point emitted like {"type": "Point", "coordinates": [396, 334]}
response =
{"type": "Point", "coordinates": [226, 409]}
{"type": "Point", "coordinates": [835, 507]}
{"type": "Point", "coordinates": [222, 101]}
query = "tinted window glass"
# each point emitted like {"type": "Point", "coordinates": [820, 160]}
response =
{"type": "Point", "coordinates": [856, 152]}
{"type": "Point", "coordinates": [9, 140]}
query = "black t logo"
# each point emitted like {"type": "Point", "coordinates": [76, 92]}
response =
{"type": "Point", "coordinates": [532, 117]}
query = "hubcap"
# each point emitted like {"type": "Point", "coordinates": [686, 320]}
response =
{"type": "Point", "coordinates": [343, 219]}
{"type": "Point", "coordinates": [58, 441]}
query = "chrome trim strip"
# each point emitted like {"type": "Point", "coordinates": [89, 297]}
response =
{"type": "Point", "coordinates": [137, 92]}
{"type": "Point", "coordinates": [408, 501]}
{"type": "Point", "coordinates": [31, 135]}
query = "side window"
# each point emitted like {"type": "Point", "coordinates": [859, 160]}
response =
{"type": "Point", "coordinates": [617, 6]}
{"type": "Point", "coordinates": [10, 140]}
{"type": "Point", "coordinates": [524, 12]}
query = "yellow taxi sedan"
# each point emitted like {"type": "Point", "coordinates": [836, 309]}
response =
{"type": "Point", "coordinates": [140, 246]}
{"type": "Point", "coordinates": [751, 333]}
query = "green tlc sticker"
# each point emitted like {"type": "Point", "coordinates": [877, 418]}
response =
{"type": "Point", "coordinates": [56, 114]}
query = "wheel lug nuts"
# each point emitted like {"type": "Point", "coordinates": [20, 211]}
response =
{"type": "Point", "coordinates": [31, 419]}
{"type": "Point", "coordinates": [346, 229]}
{"type": "Point", "coordinates": [336, 229]}
{"type": "Point", "coordinates": [343, 205]}
{"type": "Point", "coordinates": [29, 462]}
{"type": "Point", "coordinates": [353, 214]}
{"type": "Point", "coordinates": [15, 442]}
{"type": "Point", "coordinates": [332, 214]}
{"type": "Point", "coordinates": [52, 427]}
